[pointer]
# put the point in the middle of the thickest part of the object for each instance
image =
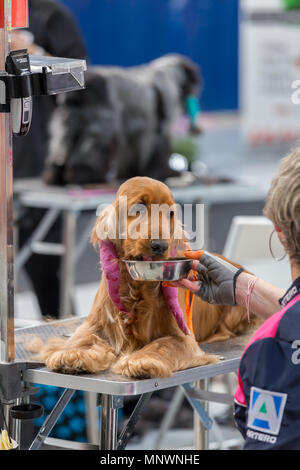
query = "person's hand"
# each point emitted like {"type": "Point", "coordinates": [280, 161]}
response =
{"type": "Point", "coordinates": [23, 39]}
{"type": "Point", "coordinates": [216, 278]}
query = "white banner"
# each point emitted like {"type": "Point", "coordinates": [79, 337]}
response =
{"type": "Point", "coordinates": [269, 60]}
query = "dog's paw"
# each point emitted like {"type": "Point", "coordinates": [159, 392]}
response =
{"type": "Point", "coordinates": [143, 367]}
{"type": "Point", "coordinates": [204, 359]}
{"type": "Point", "coordinates": [74, 361]}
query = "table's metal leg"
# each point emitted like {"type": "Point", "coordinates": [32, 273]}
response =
{"type": "Point", "coordinates": [109, 421]}
{"type": "Point", "coordinates": [51, 420]}
{"type": "Point", "coordinates": [68, 264]}
{"type": "Point", "coordinates": [169, 417]}
{"type": "Point", "coordinates": [201, 433]}
{"type": "Point", "coordinates": [90, 399]}
{"type": "Point", "coordinates": [202, 421]}
{"type": "Point", "coordinates": [130, 425]}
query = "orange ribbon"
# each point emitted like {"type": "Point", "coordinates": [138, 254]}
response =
{"type": "Point", "coordinates": [189, 296]}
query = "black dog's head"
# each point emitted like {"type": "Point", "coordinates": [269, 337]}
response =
{"type": "Point", "coordinates": [177, 77]}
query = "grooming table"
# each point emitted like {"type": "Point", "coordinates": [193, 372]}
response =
{"type": "Point", "coordinates": [113, 388]}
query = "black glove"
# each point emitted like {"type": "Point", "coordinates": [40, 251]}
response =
{"type": "Point", "coordinates": [217, 280]}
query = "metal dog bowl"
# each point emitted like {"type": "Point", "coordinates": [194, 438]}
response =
{"type": "Point", "coordinates": [171, 270]}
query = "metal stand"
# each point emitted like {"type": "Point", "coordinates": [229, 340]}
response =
{"type": "Point", "coordinates": [92, 422]}
{"type": "Point", "coordinates": [128, 429]}
{"type": "Point", "coordinates": [51, 420]}
{"type": "Point", "coordinates": [201, 431]}
{"type": "Point", "coordinates": [169, 416]}
{"type": "Point", "coordinates": [109, 421]}
{"type": "Point", "coordinates": [7, 353]}
{"type": "Point", "coordinates": [110, 405]}
{"type": "Point", "coordinates": [199, 408]}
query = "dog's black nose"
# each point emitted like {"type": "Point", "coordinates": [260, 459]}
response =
{"type": "Point", "coordinates": [158, 246]}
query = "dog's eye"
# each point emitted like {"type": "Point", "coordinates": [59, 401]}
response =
{"type": "Point", "coordinates": [142, 203]}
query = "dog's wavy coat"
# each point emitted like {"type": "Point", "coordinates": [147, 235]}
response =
{"type": "Point", "coordinates": [146, 341]}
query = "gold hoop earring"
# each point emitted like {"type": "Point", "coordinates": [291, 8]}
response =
{"type": "Point", "coordinates": [270, 248]}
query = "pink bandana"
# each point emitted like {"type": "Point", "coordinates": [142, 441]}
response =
{"type": "Point", "coordinates": [110, 266]}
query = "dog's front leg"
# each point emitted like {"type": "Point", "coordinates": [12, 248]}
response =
{"type": "Point", "coordinates": [85, 351]}
{"type": "Point", "coordinates": [162, 357]}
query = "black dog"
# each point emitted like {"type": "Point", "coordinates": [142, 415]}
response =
{"type": "Point", "coordinates": [120, 126]}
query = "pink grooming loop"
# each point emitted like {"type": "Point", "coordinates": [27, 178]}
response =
{"type": "Point", "coordinates": [111, 269]}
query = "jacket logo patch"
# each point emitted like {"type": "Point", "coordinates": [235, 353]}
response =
{"type": "Point", "coordinates": [266, 410]}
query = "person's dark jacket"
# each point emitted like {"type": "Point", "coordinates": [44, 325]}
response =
{"type": "Point", "coordinates": [267, 404]}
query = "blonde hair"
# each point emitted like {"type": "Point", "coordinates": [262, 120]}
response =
{"type": "Point", "coordinates": [283, 203]}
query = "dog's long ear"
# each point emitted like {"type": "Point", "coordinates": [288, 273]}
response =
{"type": "Point", "coordinates": [105, 227]}
{"type": "Point", "coordinates": [193, 73]}
{"type": "Point", "coordinates": [194, 79]}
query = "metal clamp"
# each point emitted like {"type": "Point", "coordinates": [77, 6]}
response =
{"type": "Point", "coordinates": [11, 380]}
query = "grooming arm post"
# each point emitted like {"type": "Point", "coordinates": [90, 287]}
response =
{"type": "Point", "coordinates": [7, 351]}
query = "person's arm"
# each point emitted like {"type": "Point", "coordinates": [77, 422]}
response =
{"type": "Point", "coordinates": [264, 299]}
{"type": "Point", "coordinates": [25, 40]}
{"type": "Point", "coordinates": [220, 282]}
